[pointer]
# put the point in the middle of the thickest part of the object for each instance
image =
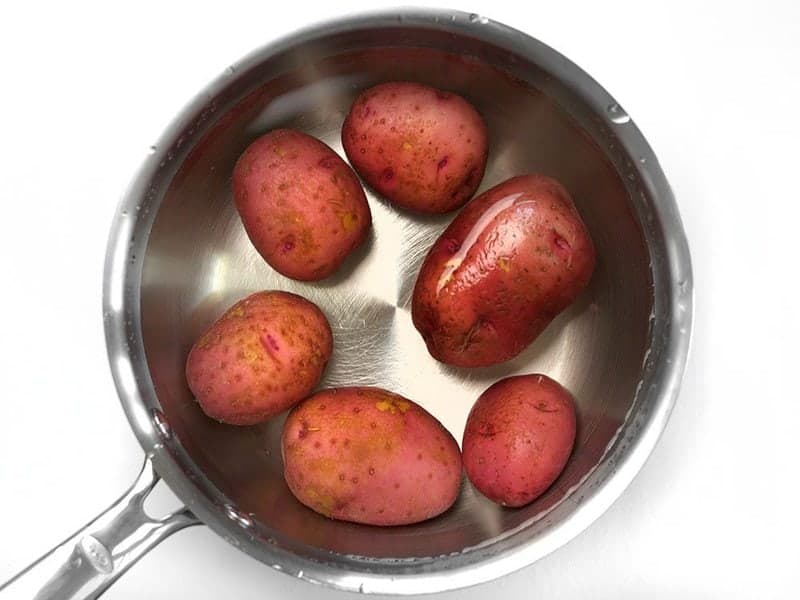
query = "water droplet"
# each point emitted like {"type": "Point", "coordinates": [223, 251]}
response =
{"type": "Point", "coordinates": [617, 114]}
{"type": "Point", "coordinates": [480, 19]}
{"type": "Point", "coordinates": [643, 160]}
{"type": "Point", "coordinates": [231, 70]}
{"type": "Point", "coordinates": [300, 574]}
{"type": "Point", "coordinates": [152, 149]}
{"type": "Point", "coordinates": [124, 213]}
{"type": "Point", "coordinates": [646, 357]}
{"type": "Point", "coordinates": [242, 519]}
{"type": "Point", "coordinates": [683, 287]}
{"type": "Point", "coordinates": [161, 424]}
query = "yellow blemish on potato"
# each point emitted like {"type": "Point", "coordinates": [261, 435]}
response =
{"type": "Point", "coordinates": [349, 221]}
{"type": "Point", "coordinates": [322, 502]}
{"type": "Point", "coordinates": [237, 311]}
{"type": "Point", "coordinates": [407, 146]}
{"type": "Point", "coordinates": [502, 262]}
{"type": "Point", "coordinates": [207, 340]}
{"type": "Point", "coordinates": [393, 405]}
{"type": "Point", "coordinates": [250, 356]}
{"type": "Point", "coordinates": [279, 151]}
{"type": "Point", "coordinates": [321, 468]}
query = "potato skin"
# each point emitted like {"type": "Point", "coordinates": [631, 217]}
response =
{"type": "Point", "coordinates": [518, 438]}
{"type": "Point", "coordinates": [369, 456]}
{"type": "Point", "coordinates": [301, 205]}
{"type": "Point", "coordinates": [422, 148]}
{"type": "Point", "coordinates": [263, 355]}
{"type": "Point", "coordinates": [511, 260]}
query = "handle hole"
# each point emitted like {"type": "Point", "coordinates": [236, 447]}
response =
{"type": "Point", "coordinates": [161, 502]}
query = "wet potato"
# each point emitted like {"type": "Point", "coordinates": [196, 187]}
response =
{"type": "Point", "coordinates": [423, 149]}
{"type": "Point", "coordinates": [369, 456]}
{"type": "Point", "coordinates": [263, 355]}
{"type": "Point", "coordinates": [518, 438]}
{"type": "Point", "coordinates": [301, 205]}
{"type": "Point", "coordinates": [511, 260]}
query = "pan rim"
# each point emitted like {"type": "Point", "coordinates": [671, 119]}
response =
{"type": "Point", "coordinates": [673, 290]}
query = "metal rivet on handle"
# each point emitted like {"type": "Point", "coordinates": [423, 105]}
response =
{"type": "Point", "coordinates": [96, 553]}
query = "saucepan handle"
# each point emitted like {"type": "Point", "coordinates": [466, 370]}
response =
{"type": "Point", "coordinates": [86, 564]}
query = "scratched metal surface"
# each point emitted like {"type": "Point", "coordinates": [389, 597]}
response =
{"type": "Point", "coordinates": [199, 261]}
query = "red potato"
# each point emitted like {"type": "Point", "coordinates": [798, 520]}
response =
{"type": "Point", "coordinates": [518, 438]}
{"type": "Point", "coordinates": [301, 205]}
{"type": "Point", "coordinates": [370, 456]}
{"type": "Point", "coordinates": [513, 259]}
{"type": "Point", "coordinates": [266, 353]}
{"type": "Point", "coordinates": [422, 148]}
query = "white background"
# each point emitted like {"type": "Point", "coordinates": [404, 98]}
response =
{"type": "Point", "coordinates": [715, 87]}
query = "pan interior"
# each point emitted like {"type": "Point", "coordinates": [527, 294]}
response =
{"type": "Point", "coordinates": [199, 261]}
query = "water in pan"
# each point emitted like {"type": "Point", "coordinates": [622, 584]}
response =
{"type": "Point", "coordinates": [199, 261]}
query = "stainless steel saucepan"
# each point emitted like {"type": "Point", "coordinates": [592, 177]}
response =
{"type": "Point", "coordinates": [178, 256]}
